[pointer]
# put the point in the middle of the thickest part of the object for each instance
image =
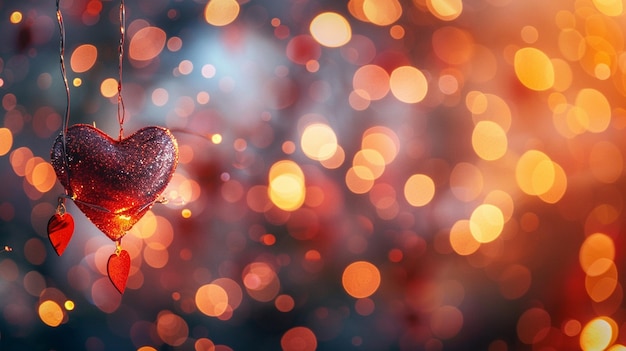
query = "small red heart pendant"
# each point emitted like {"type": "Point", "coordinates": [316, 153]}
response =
{"type": "Point", "coordinates": [118, 268]}
{"type": "Point", "coordinates": [114, 182]}
{"type": "Point", "coordinates": [60, 230]}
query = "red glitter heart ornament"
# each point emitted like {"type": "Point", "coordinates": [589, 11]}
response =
{"type": "Point", "coordinates": [114, 182]}
{"type": "Point", "coordinates": [60, 230]}
{"type": "Point", "coordinates": [118, 268]}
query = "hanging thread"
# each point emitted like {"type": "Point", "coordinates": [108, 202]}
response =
{"type": "Point", "coordinates": [121, 110]}
{"type": "Point", "coordinates": [66, 120]}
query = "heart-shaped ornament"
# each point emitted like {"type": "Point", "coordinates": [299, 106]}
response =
{"type": "Point", "coordinates": [114, 182]}
{"type": "Point", "coordinates": [60, 230]}
{"type": "Point", "coordinates": [118, 268]}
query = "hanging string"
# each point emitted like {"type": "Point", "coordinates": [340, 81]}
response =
{"type": "Point", "coordinates": [66, 120]}
{"type": "Point", "coordinates": [121, 110]}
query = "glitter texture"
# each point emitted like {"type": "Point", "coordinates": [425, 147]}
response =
{"type": "Point", "coordinates": [114, 182]}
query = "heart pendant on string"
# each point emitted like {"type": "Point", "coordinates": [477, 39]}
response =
{"type": "Point", "coordinates": [114, 182]}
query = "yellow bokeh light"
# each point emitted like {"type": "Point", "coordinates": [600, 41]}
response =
{"type": "Point", "coordinates": [597, 252]}
{"type": "Point", "coordinates": [489, 140]}
{"type": "Point", "coordinates": [445, 10]}
{"type": "Point", "coordinates": [319, 141]}
{"type": "Point", "coordinates": [419, 190]}
{"type": "Point", "coordinates": [558, 187]}
{"type": "Point", "coordinates": [16, 17]}
{"type": "Point", "coordinates": [359, 179]}
{"type": "Point", "coordinates": [598, 334]}
{"type": "Point", "coordinates": [408, 84]}
{"type": "Point", "coordinates": [221, 12]}
{"type": "Point", "coordinates": [331, 29]}
{"type": "Point", "coordinates": [601, 286]}
{"type": "Point", "coordinates": [503, 201]}
{"type": "Point", "coordinates": [535, 173]}
{"type": "Point", "coordinates": [286, 185]}
{"type": "Point", "coordinates": [368, 164]}
{"type": "Point", "coordinates": [382, 12]}
{"type": "Point", "coordinates": [486, 223]}
{"type": "Point", "coordinates": [69, 305]}
{"type": "Point", "coordinates": [77, 82]}
{"type": "Point", "coordinates": [534, 69]}
{"type": "Point", "coordinates": [360, 279]}
{"type": "Point", "coordinates": [51, 313]}
{"type": "Point", "coordinates": [596, 109]}
{"type": "Point", "coordinates": [83, 58]}
{"type": "Point", "coordinates": [383, 140]}
{"type": "Point", "coordinates": [461, 238]}
{"type": "Point", "coordinates": [6, 141]}
{"type": "Point", "coordinates": [609, 7]}
{"type": "Point", "coordinates": [108, 87]}
{"type": "Point", "coordinates": [216, 138]}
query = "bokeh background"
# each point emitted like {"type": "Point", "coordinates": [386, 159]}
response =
{"type": "Point", "coordinates": [354, 175]}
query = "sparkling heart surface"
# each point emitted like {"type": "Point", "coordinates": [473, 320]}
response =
{"type": "Point", "coordinates": [114, 182]}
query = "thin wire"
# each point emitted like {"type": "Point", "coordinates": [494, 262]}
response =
{"type": "Point", "coordinates": [66, 120]}
{"type": "Point", "coordinates": [121, 110]}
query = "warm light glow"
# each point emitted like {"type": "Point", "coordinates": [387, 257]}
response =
{"type": "Point", "coordinates": [212, 300]}
{"type": "Point", "coordinates": [535, 173]}
{"type": "Point", "coordinates": [596, 254]}
{"type": "Point", "coordinates": [69, 305]}
{"type": "Point", "coordinates": [368, 164]}
{"type": "Point", "coordinates": [298, 339]}
{"type": "Point", "coordinates": [595, 110]}
{"type": "Point", "coordinates": [612, 8]}
{"type": "Point", "coordinates": [382, 12]}
{"type": "Point", "coordinates": [408, 84]}
{"type": "Point", "coordinates": [462, 240]}
{"type": "Point", "coordinates": [445, 10]}
{"type": "Point", "coordinates": [489, 140]}
{"type": "Point", "coordinates": [172, 328]}
{"type": "Point", "coordinates": [6, 141]}
{"type": "Point", "coordinates": [486, 223]}
{"type": "Point", "coordinates": [221, 12]}
{"type": "Point", "coordinates": [419, 190]}
{"type": "Point", "coordinates": [360, 279]}
{"type": "Point", "coordinates": [83, 58]}
{"type": "Point", "coordinates": [260, 281]}
{"type": "Point", "coordinates": [108, 88]}
{"type": "Point", "coordinates": [331, 29]}
{"type": "Point", "coordinates": [534, 69]}
{"type": "Point", "coordinates": [318, 141]}
{"type": "Point", "coordinates": [598, 334]}
{"type": "Point", "coordinates": [382, 139]}
{"type": "Point", "coordinates": [371, 82]}
{"type": "Point", "coordinates": [50, 313]}
{"type": "Point", "coordinates": [147, 43]}
{"type": "Point", "coordinates": [286, 185]}
{"type": "Point", "coordinates": [16, 17]}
